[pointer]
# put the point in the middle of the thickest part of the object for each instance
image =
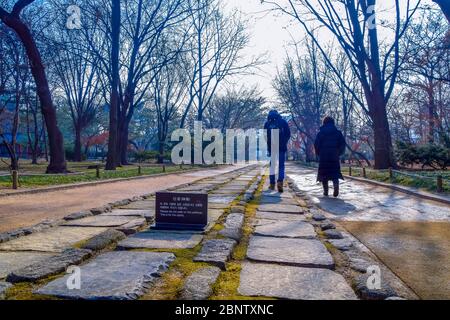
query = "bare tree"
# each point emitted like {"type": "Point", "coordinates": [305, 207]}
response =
{"type": "Point", "coordinates": [236, 108]}
{"type": "Point", "coordinates": [214, 53]}
{"type": "Point", "coordinates": [354, 25]}
{"type": "Point", "coordinates": [169, 92]}
{"type": "Point", "coordinates": [77, 72]}
{"type": "Point", "coordinates": [13, 20]}
{"type": "Point", "coordinates": [427, 64]}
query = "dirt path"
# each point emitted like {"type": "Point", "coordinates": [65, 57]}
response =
{"type": "Point", "coordinates": [26, 210]}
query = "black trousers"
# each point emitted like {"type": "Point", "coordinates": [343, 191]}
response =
{"type": "Point", "coordinates": [335, 184]}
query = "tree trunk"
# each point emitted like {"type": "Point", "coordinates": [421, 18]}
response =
{"type": "Point", "coordinates": [431, 114]}
{"type": "Point", "coordinates": [124, 144]}
{"type": "Point", "coordinates": [56, 144]}
{"type": "Point", "coordinates": [161, 152]}
{"type": "Point", "coordinates": [77, 144]}
{"type": "Point", "coordinates": [309, 150]}
{"type": "Point", "coordinates": [383, 153]}
{"type": "Point", "coordinates": [112, 160]}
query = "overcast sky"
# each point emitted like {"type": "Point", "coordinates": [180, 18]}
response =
{"type": "Point", "coordinates": [269, 35]}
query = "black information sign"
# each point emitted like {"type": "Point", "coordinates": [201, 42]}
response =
{"type": "Point", "coordinates": [181, 211]}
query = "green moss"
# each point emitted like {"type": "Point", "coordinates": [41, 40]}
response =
{"type": "Point", "coordinates": [24, 290]}
{"type": "Point", "coordinates": [227, 284]}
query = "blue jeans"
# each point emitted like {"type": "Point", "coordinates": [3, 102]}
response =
{"type": "Point", "coordinates": [281, 168]}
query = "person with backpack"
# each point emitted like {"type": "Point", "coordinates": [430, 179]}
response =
{"type": "Point", "coordinates": [329, 145]}
{"type": "Point", "coordinates": [276, 122]}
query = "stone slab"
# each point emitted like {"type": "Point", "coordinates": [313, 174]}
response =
{"type": "Point", "coordinates": [132, 226]}
{"type": "Point", "coordinates": [319, 217]}
{"type": "Point", "coordinates": [218, 205]}
{"type": "Point", "coordinates": [333, 234]}
{"type": "Point", "coordinates": [131, 213]}
{"type": "Point", "coordinates": [198, 285]}
{"type": "Point", "coordinates": [140, 205]}
{"type": "Point", "coordinates": [119, 275]}
{"type": "Point", "coordinates": [277, 201]}
{"type": "Point", "coordinates": [161, 240]}
{"type": "Point", "coordinates": [52, 240]}
{"type": "Point", "coordinates": [11, 261]}
{"type": "Point", "coordinates": [221, 199]}
{"type": "Point", "coordinates": [275, 194]}
{"type": "Point", "coordinates": [78, 215]}
{"type": "Point", "coordinates": [103, 240]}
{"type": "Point", "coordinates": [3, 287]}
{"type": "Point", "coordinates": [213, 216]}
{"type": "Point", "coordinates": [296, 252]}
{"type": "Point", "coordinates": [223, 192]}
{"type": "Point", "coordinates": [285, 229]}
{"type": "Point", "coordinates": [286, 282]}
{"type": "Point", "coordinates": [100, 221]}
{"type": "Point", "coordinates": [233, 226]}
{"type": "Point", "coordinates": [341, 244]}
{"type": "Point", "coordinates": [279, 216]}
{"type": "Point", "coordinates": [48, 267]}
{"type": "Point", "coordinates": [282, 208]}
{"type": "Point", "coordinates": [216, 251]}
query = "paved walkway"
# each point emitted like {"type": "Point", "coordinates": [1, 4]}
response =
{"type": "Point", "coordinates": [409, 234]}
{"type": "Point", "coordinates": [292, 251]}
{"type": "Point", "coordinates": [27, 210]}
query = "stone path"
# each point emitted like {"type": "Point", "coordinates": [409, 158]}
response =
{"type": "Point", "coordinates": [292, 250]}
{"type": "Point", "coordinates": [121, 274]}
{"type": "Point", "coordinates": [285, 258]}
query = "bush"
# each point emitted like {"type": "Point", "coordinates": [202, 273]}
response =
{"type": "Point", "coordinates": [432, 155]}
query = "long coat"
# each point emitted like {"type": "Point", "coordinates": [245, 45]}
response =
{"type": "Point", "coordinates": [329, 145]}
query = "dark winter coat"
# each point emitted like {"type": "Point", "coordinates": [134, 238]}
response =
{"type": "Point", "coordinates": [329, 145]}
{"type": "Point", "coordinates": [275, 121]}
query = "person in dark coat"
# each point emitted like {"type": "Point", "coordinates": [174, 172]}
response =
{"type": "Point", "coordinates": [275, 121]}
{"type": "Point", "coordinates": [329, 145]}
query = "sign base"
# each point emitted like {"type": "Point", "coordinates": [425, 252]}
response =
{"type": "Point", "coordinates": [178, 226]}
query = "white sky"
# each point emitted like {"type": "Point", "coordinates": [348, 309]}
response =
{"type": "Point", "coordinates": [269, 34]}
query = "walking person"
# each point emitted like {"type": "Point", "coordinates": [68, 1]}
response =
{"type": "Point", "coordinates": [329, 146]}
{"type": "Point", "coordinates": [274, 122]}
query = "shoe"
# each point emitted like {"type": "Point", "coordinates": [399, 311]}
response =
{"type": "Point", "coordinates": [336, 191]}
{"type": "Point", "coordinates": [272, 187]}
{"type": "Point", "coordinates": [280, 187]}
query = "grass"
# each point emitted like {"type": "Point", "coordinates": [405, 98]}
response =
{"type": "Point", "coordinates": [428, 182]}
{"type": "Point", "coordinates": [31, 176]}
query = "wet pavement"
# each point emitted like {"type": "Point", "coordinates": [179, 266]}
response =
{"type": "Point", "coordinates": [408, 234]}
